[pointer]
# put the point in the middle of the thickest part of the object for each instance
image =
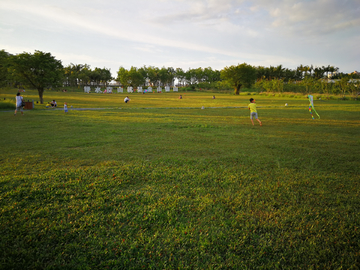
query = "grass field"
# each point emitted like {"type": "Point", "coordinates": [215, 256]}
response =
{"type": "Point", "coordinates": [164, 184]}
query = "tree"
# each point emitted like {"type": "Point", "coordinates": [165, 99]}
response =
{"type": "Point", "coordinates": [290, 75]}
{"type": "Point", "coordinates": [84, 76]}
{"type": "Point", "coordinates": [102, 75]}
{"type": "Point", "coordinates": [318, 73]}
{"type": "Point", "coordinates": [153, 75]}
{"type": "Point", "coordinates": [261, 73]}
{"type": "Point", "coordinates": [199, 75]}
{"type": "Point", "coordinates": [354, 88]}
{"type": "Point", "coordinates": [180, 75]}
{"type": "Point", "coordinates": [279, 72]}
{"type": "Point", "coordinates": [39, 70]}
{"type": "Point", "coordinates": [278, 85]}
{"type": "Point", "coordinates": [308, 82]}
{"type": "Point", "coordinates": [171, 75]}
{"type": "Point", "coordinates": [326, 86]}
{"type": "Point", "coordinates": [190, 76]}
{"type": "Point", "coordinates": [240, 75]}
{"type": "Point", "coordinates": [301, 69]}
{"type": "Point", "coordinates": [123, 77]}
{"type": "Point", "coordinates": [212, 75]}
{"type": "Point", "coordinates": [137, 79]}
{"type": "Point", "coordinates": [163, 76]}
{"type": "Point", "coordinates": [144, 73]}
{"type": "Point", "coordinates": [79, 74]}
{"type": "Point", "coordinates": [343, 85]}
{"type": "Point", "coordinates": [4, 64]}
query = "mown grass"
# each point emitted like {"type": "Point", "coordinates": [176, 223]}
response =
{"type": "Point", "coordinates": [166, 100]}
{"type": "Point", "coordinates": [7, 104]}
{"type": "Point", "coordinates": [181, 188]}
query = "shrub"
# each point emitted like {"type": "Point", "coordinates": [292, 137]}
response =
{"type": "Point", "coordinates": [7, 104]}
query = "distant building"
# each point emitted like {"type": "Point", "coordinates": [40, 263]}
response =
{"type": "Point", "coordinates": [355, 73]}
{"type": "Point", "coordinates": [331, 74]}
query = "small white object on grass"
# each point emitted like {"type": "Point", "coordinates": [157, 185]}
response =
{"type": "Point", "coordinates": [286, 104]}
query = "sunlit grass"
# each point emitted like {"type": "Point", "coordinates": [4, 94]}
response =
{"type": "Point", "coordinates": [167, 100]}
{"type": "Point", "coordinates": [160, 188]}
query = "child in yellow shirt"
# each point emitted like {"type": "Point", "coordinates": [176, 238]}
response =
{"type": "Point", "coordinates": [253, 111]}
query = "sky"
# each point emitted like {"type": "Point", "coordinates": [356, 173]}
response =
{"type": "Point", "coordinates": [185, 33]}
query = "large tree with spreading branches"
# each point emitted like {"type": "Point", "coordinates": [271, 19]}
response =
{"type": "Point", "coordinates": [39, 70]}
{"type": "Point", "coordinates": [239, 76]}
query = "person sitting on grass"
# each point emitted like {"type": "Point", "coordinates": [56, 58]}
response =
{"type": "Point", "coordinates": [127, 99]}
{"type": "Point", "coordinates": [53, 103]}
{"type": "Point", "coordinates": [253, 111]}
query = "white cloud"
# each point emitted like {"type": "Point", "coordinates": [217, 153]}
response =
{"type": "Point", "coordinates": [316, 17]}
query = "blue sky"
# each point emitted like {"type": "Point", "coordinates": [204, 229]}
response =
{"type": "Point", "coordinates": [185, 33]}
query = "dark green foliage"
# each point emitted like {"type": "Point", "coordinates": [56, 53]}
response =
{"type": "Point", "coordinates": [239, 76]}
{"type": "Point", "coordinates": [38, 71]}
{"type": "Point", "coordinates": [4, 65]}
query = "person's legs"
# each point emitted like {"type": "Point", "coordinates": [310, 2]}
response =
{"type": "Point", "coordinates": [251, 118]}
{"type": "Point", "coordinates": [19, 109]}
{"type": "Point", "coordinates": [257, 119]}
{"type": "Point", "coordinates": [254, 114]}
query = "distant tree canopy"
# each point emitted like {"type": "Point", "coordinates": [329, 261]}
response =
{"type": "Point", "coordinates": [42, 71]}
{"type": "Point", "coordinates": [165, 76]}
{"type": "Point", "coordinates": [240, 75]}
{"type": "Point", "coordinates": [4, 65]}
{"type": "Point", "coordinates": [39, 70]}
{"type": "Point", "coordinates": [81, 74]}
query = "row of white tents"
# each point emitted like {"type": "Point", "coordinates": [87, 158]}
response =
{"type": "Point", "coordinates": [130, 89]}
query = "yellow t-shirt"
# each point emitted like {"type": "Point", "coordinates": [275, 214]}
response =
{"type": "Point", "coordinates": [252, 107]}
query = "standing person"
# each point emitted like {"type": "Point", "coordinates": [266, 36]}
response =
{"type": "Point", "coordinates": [19, 100]}
{"type": "Point", "coordinates": [127, 99]}
{"type": "Point", "coordinates": [65, 107]}
{"type": "Point", "coordinates": [253, 111]}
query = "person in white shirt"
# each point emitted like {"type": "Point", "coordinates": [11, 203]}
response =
{"type": "Point", "coordinates": [53, 104]}
{"type": "Point", "coordinates": [19, 100]}
{"type": "Point", "coordinates": [127, 99]}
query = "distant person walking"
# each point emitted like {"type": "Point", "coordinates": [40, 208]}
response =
{"type": "Point", "coordinates": [253, 111]}
{"type": "Point", "coordinates": [19, 101]}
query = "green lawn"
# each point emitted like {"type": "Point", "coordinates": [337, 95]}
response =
{"type": "Point", "coordinates": [164, 184]}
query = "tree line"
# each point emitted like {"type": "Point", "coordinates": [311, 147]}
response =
{"type": "Point", "coordinates": [42, 71]}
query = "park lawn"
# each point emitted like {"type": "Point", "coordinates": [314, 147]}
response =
{"type": "Point", "coordinates": [168, 100]}
{"type": "Point", "coordinates": [169, 187]}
